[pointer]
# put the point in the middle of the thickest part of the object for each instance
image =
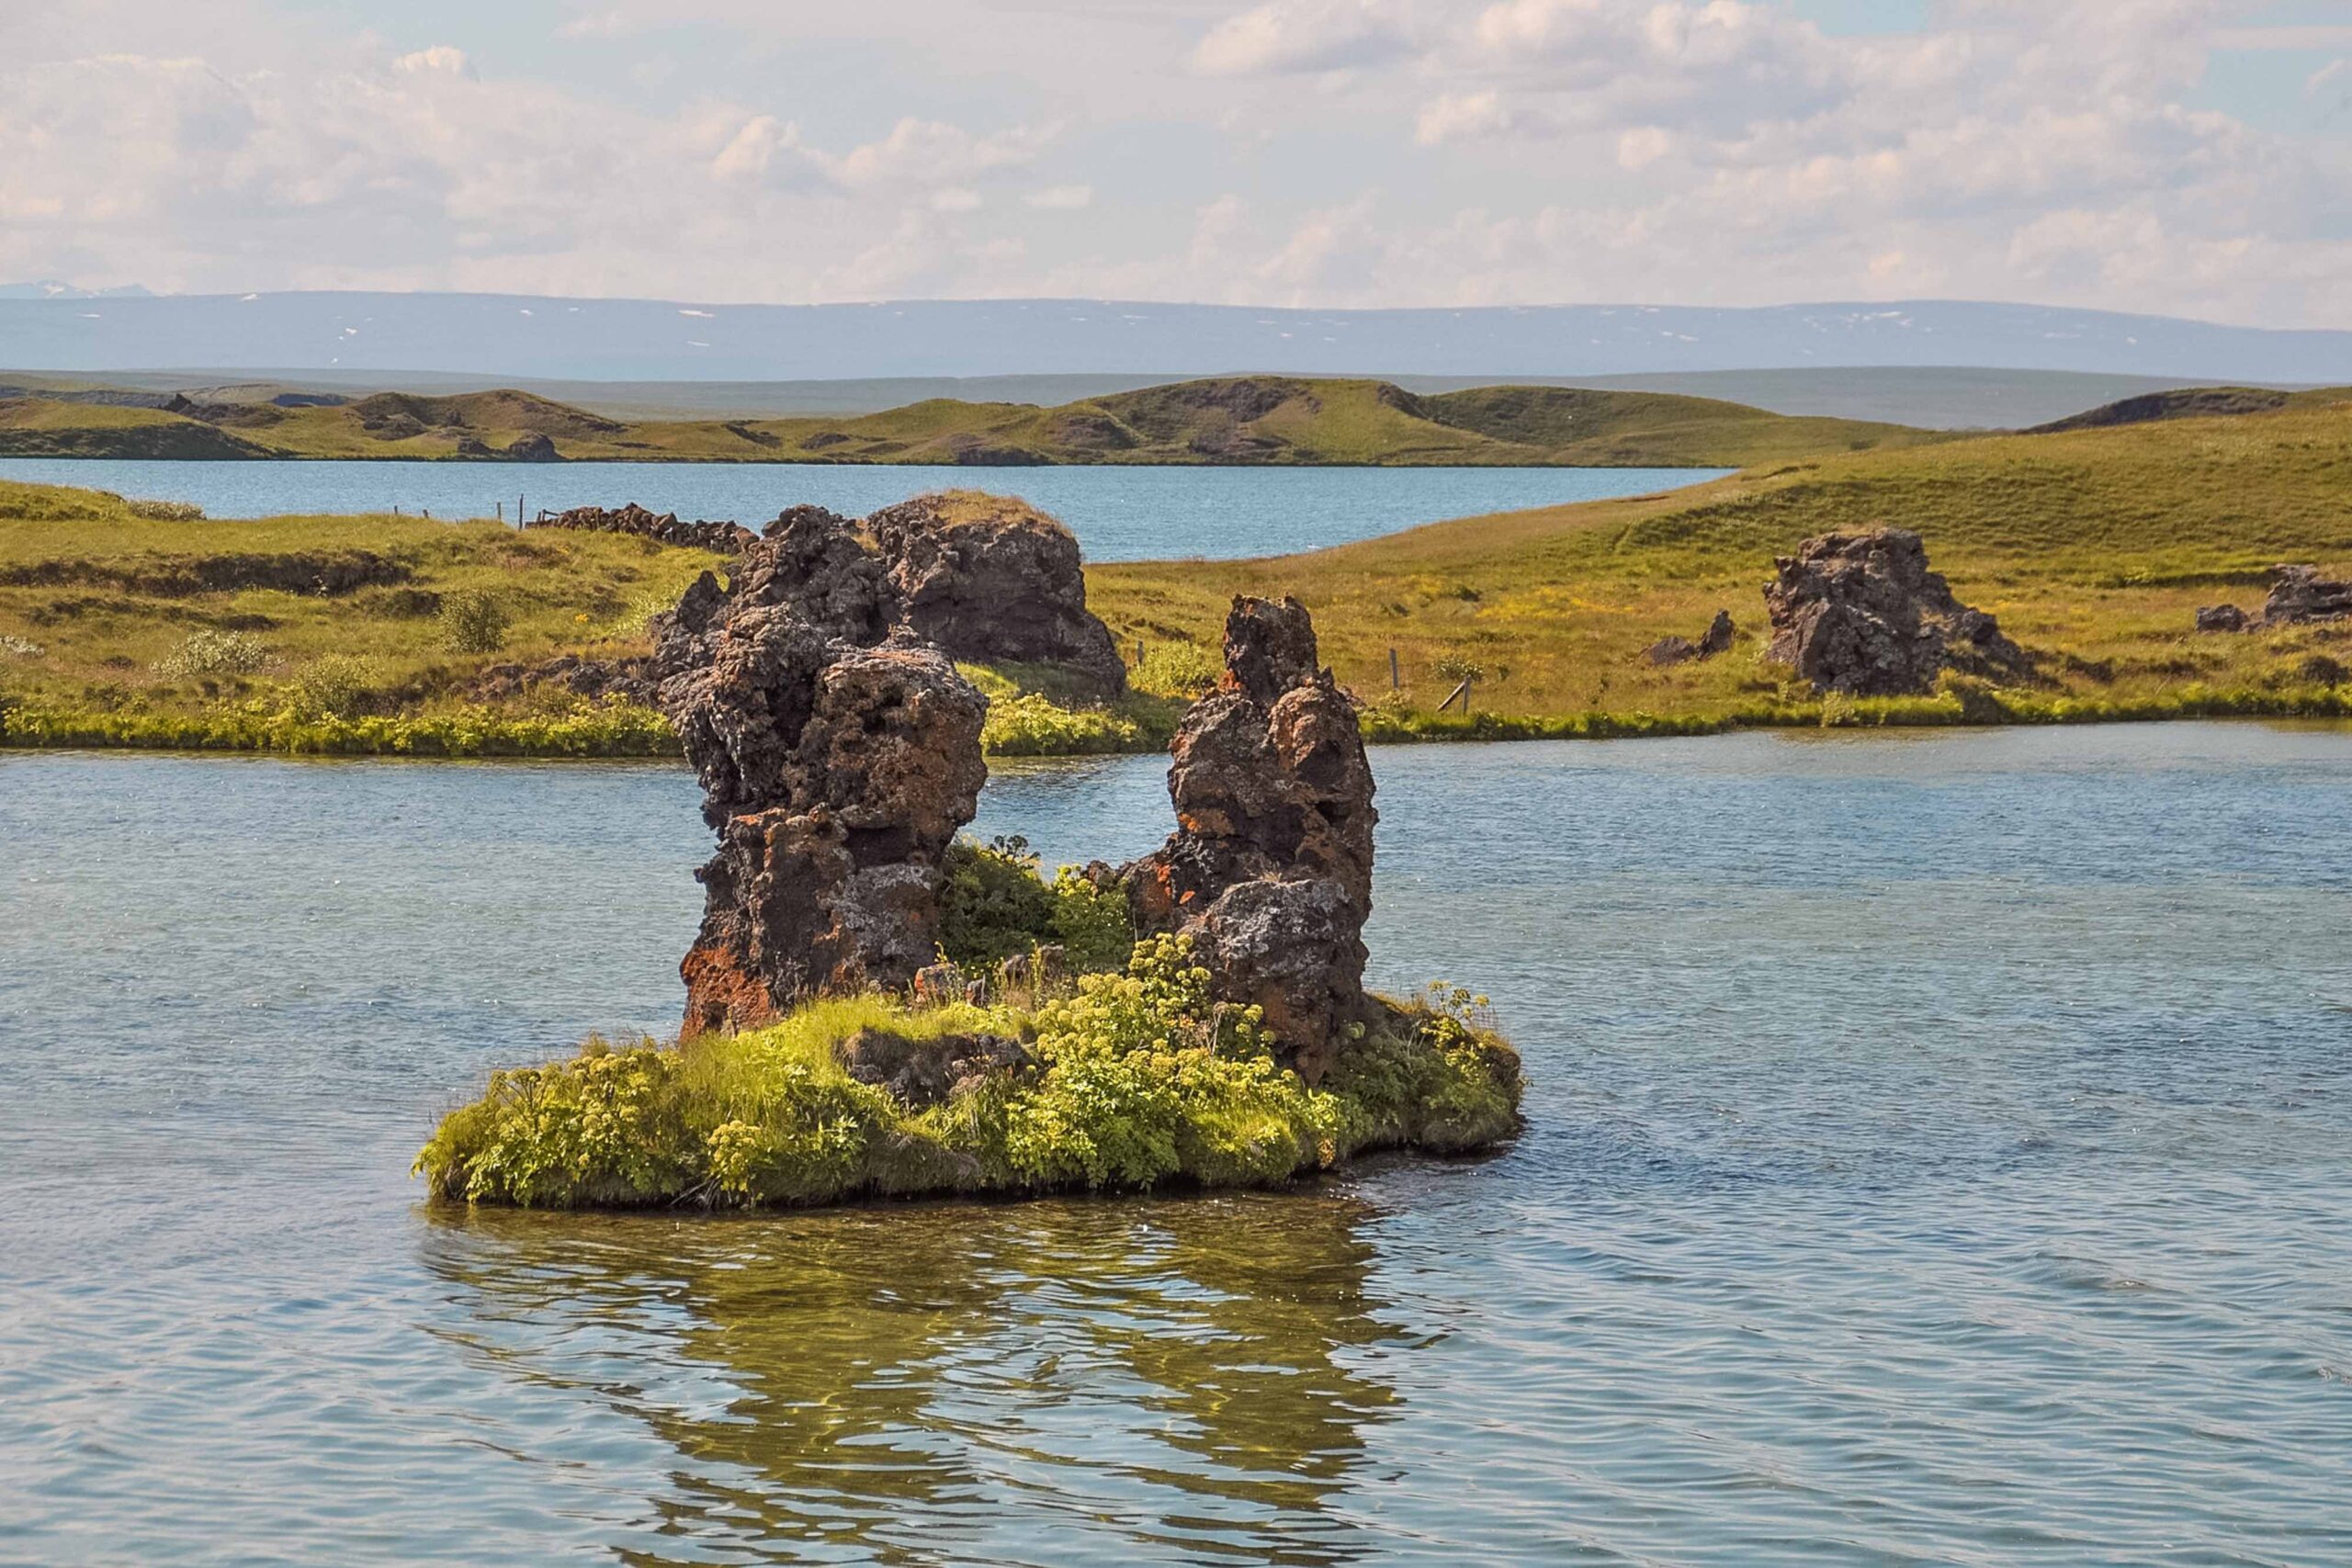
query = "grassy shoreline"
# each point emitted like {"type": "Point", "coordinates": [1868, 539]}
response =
{"type": "Point", "coordinates": [399, 635]}
{"type": "Point", "coordinates": [639, 733]}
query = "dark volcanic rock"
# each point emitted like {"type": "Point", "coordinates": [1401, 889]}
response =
{"type": "Point", "coordinates": [992, 579]}
{"type": "Point", "coordinates": [725, 538]}
{"type": "Point", "coordinates": [1269, 868]}
{"type": "Point", "coordinates": [1861, 614]}
{"type": "Point", "coordinates": [837, 762]}
{"type": "Point", "coordinates": [919, 1073]}
{"type": "Point", "coordinates": [2220, 618]}
{"type": "Point", "coordinates": [1681, 649]}
{"type": "Point", "coordinates": [2300, 595]}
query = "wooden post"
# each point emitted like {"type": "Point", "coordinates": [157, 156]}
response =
{"type": "Point", "coordinates": [1138, 653]}
{"type": "Point", "coordinates": [1396, 681]}
{"type": "Point", "coordinates": [1461, 690]}
{"type": "Point", "coordinates": [519, 512]}
{"type": "Point", "coordinates": [501, 513]}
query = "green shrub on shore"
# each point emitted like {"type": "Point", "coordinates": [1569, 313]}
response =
{"type": "Point", "coordinates": [1182, 670]}
{"type": "Point", "coordinates": [1034, 725]}
{"type": "Point", "coordinates": [585, 730]}
{"type": "Point", "coordinates": [331, 686]}
{"type": "Point", "coordinates": [473, 622]}
{"type": "Point", "coordinates": [1134, 1079]}
{"type": "Point", "coordinates": [996, 907]}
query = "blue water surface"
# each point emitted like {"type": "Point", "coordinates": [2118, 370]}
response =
{"type": "Point", "coordinates": [1118, 513]}
{"type": "Point", "coordinates": [1939, 1150]}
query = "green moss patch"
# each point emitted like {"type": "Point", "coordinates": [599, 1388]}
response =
{"type": "Point", "coordinates": [1134, 1079]}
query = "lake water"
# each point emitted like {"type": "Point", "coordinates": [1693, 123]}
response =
{"type": "Point", "coordinates": [1940, 1151]}
{"type": "Point", "coordinates": [1118, 513]}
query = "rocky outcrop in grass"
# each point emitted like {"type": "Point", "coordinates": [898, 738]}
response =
{"type": "Point", "coordinates": [722, 539]}
{"type": "Point", "coordinates": [2300, 595]}
{"type": "Point", "coordinates": [1715, 639]}
{"type": "Point", "coordinates": [993, 580]}
{"type": "Point", "coordinates": [1861, 613]}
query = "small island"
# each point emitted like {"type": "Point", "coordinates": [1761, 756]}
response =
{"type": "Point", "coordinates": [879, 1008]}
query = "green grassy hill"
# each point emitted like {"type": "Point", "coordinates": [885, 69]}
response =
{"type": "Point", "coordinates": [2094, 546]}
{"type": "Point", "coordinates": [1245, 420]}
{"type": "Point", "coordinates": [43, 427]}
{"type": "Point", "coordinates": [2194, 402]}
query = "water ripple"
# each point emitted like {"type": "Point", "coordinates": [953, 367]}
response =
{"type": "Point", "coordinates": [1942, 1153]}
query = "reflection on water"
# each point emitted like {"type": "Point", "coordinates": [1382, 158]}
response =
{"type": "Point", "coordinates": [1939, 1150]}
{"type": "Point", "coordinates": [916, 1384]}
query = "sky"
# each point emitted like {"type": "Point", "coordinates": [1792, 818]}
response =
{"type": "Point", "coordinates": [2183, 157]}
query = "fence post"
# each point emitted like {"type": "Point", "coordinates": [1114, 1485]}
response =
{"type": "Point", "coordinates": [502, 512]}
{"type": "Point", "coordinates": [1138, 653]}
{"type": "Point", "coordinates": [1396, 682]}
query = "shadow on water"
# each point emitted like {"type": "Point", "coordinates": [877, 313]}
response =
{"type": "Point", "coordinates": [911, 1384]}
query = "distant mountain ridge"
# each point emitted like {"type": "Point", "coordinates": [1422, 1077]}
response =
{"type": "Point", "coordinates": [1249, 420]}
{"type": "Point", "coordinates": [523, 335]}
{"type": "Point", "coordinates": [53, 288]}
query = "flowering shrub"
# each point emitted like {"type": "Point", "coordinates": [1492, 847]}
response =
{"type": "Point", "coordinates": [213, 653]}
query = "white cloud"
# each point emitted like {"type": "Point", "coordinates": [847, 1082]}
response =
{"type": "Point", "coordinates": [1459, 117]}
{"type": "Point", "coordinates": [1301, 36]}
{"type": "Point", "coordinates": [1339, 151]}
{"type": "Point", "coordinates": [930, 152]}
{"type": "Point", "coordinates": [1642, 146]}
{"type": "Point", "coordinates": [441, 57]}
{"type": "Point", "coordinates": [600, 25]}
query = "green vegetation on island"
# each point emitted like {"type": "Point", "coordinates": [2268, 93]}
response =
{"type": "Point", "coordinates": [1243, 420]}
{"type": "Point", "coordinates": [1128, 1077]}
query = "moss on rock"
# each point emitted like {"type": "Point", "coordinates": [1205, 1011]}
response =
{"type": "Point", "coordinates": [1131, 1079]}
